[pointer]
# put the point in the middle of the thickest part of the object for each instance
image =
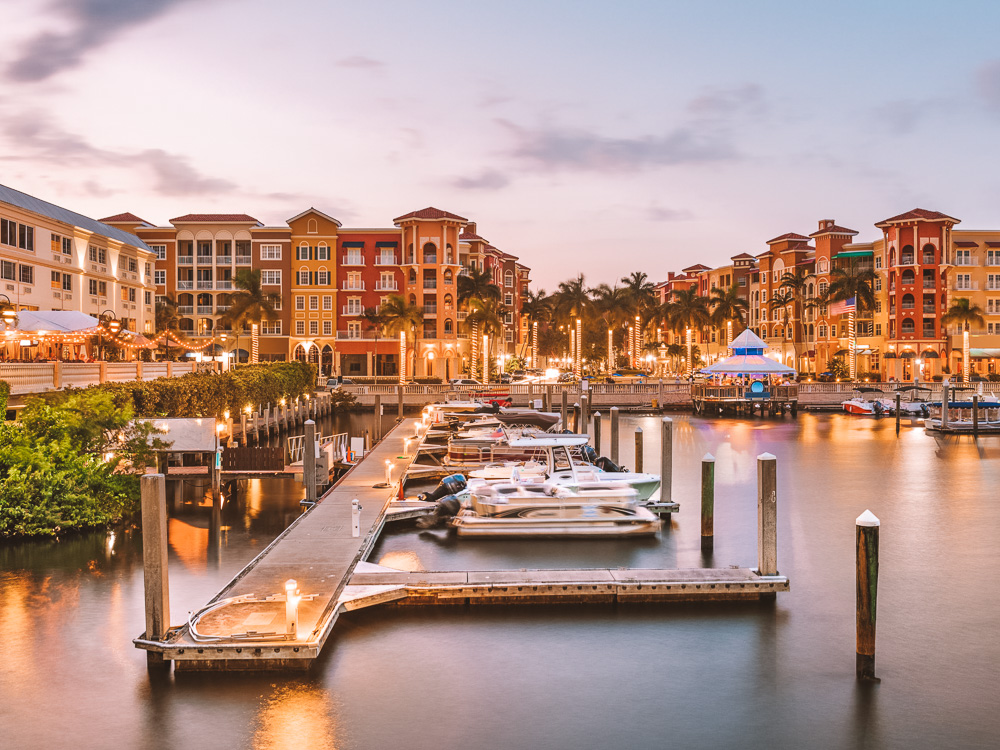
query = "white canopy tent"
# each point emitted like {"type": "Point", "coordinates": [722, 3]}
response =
{"type": "Point", "coordinates": [748, 359]}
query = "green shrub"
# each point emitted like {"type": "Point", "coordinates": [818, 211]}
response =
{"type": "Point", "coordinates": [4, 396]}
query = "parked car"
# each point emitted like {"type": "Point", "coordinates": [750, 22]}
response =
{"type": "Point", "coordinates": [464, 381]}
{"type": "Point", "coordinates": [505, 377]}
{"type": "Point", "coordinates": [337, 382]}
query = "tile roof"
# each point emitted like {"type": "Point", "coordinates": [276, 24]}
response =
{"type": "Point", "coordinates": [789, 236]}
{"type": "Point", "coordinates": [471, 236]}
{"type": "Point", "coordinates": [798, 247]}
{"type": "Point", "coordinates": [430, 213]}
{"type": "Point", "coordinates": [834, 229]}
{"type": "Point", "coordinates": [992, 243]}
{"type": "Point", "coordinates": [742, 255]}
{"type": "Point", "coordinates": [37, 205]}
{"type": "Point", "coordinates": [314, 210]}
{"type": "Point", "coordinates": [917, 213]}
{"type": "Point", "coordinates": [125, 218]}
{"type": "Point", "coordinates": [696, 267]}
{"type": "Point", "coordinates": [214, 219]}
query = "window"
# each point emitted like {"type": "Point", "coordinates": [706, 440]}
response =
{"type": "Point", "coordinates": [833, 332]}
{"type": "Point", "coordinates": [270, 278]}
{"type": "Point", "coordinates": [8, 232]}
{"type": "Point", "coordinates": [160, 278]}
{"type": "Point", "coordinates": [56, 280]}
{"type": "Point", "coordinates": [327, 302]}
{"type": "Point", "coordinates": [124, 294]}
{"type": "Point", "coordinates": [776, 276]}
{"type": "Point", "coordinates": [160, 251]}
{"type": "Point", "coordinates": [270, 327]}
{"type": "Point", "coordinates": [270, 252]}
{"type": "Point", "coordinates": [323, 278]}
{"type": "Point", "coordinates": [67, 283]}
{"type": "Point", "coordinates": [508, 279]}
{"type": "Point", "coordinates": [508, 336]}
{"type": "Point", "coordinates": [26, 237]}
{"type": "Point", "coordinates": [993, 281]}
{"type": "Point", "coordinates": [878, 284]}
{"type": "Point", "coordinates": [327, 327]}
{"type": "Point", "coordinates": [313, 327]}
{"type": "Point", "coordinates": [323, 252]}
{"type": "Point", "coordinates": [821, 331]}
{"type": "Point", "coordinates": [907, 326]}
{"type": "Point", "coordinates": [302, 252]}
{"type": "Point", "coordinates": [878, 261]}
{"type": "Point", "coordinates": [27, 274]}
{"type": "Point", "coordinates": [508, 299]}
{"type": "Point", "coordinates": [300, 302]}
{"type": "Point", "coordinates": [147, 297]}
{"type": "Point", "coordinates": [302, 277]}
{"type": "Point", "coordinates": [763, 296]}
{"type": "Point", "coordinates": [963, 281]}
{"type": "Point", "coordinates": [878, 305]}
{"type": "Point", "coordinates": [300, 328]}
{"type": "Point", "coordinates": [878, 329]}
{"type": "Point", "coordinates": [353, 305]}
{"type": "Point", "coordinates": [353, 330]}
{"type": "Point", "coordinates": [277, 303]}
{"type": "Point", "coordinates": [354, 257]}
{"type": "Point", "coordinates": [313, 302]}
{"type": "Point", "coordinates": [993, 257]}
{"type": "Point", "coordinates": [387, 256]}
{"type": "Point", "coordinates": [963, 258]}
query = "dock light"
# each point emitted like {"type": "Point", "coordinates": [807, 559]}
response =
{"type": "Point", "coordinates": [282, 402]}
{"type": "Point", "coordinates": [388, 471]}
{"type": "Point", "coordinates": [225, 414]}
{"type": "Point", "coordinates": [219, 427]}
{"type": "Point", "coordinates": [292, 599]}
{"type": "Point", "coordinates": [248, 409]}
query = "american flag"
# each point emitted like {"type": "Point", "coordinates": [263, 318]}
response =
{"type": "Point", "coordinates": [844, 306]}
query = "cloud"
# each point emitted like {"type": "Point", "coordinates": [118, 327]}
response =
{"type": "Point", "coordinates": [488, 179]}
{"type": "Point", "coordinates": [658, 213]}
{"type": "Point", "coordinates": [175, 176]}
{"type": "Point", "coordinates": [92, 24]}
{"type": "Point", "coordinates": [988, 84]}
{"type": "Point", "coordinates": [548, 148]}
{"type": "Point", "coordinates": [360, 61]}
{"type": "Point", "coordinates": [746, 99]}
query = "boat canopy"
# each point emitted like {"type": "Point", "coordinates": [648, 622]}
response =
{"type": "Point", "coordinates": [748, 364]}
{"type": "Point", "coordinates": [549, 441]}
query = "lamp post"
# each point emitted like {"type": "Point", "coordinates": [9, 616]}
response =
{"type": "Point", "coordinates": [611, 352]}
{"type": "Point", "coordinates": [107, 321]}
{"type": "Point", "coordinates": [577, 364]}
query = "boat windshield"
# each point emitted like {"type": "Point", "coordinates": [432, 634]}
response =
{"type": "Point", "coordinates": [561, 460]}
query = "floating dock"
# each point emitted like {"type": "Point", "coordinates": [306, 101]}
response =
{"type": "Point", "coordinates": [244, 627]}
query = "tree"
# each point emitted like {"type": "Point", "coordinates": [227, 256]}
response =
{"type": "Point", "coordinates": [781, 301]}
{"type": "Point", "coordinates": [377, 320]}
{"type": "Point", "coordinates": [641, 295]}
{"type": "Point", "coordinates": [250, 306]}
{"type": "Point", "coordinates": [857, 281]}
{"type": "Point", "coordinates": [728, 308]}
{"type": "Point", "coordinates": [965, 313]}
{"type": "Point", "coordinates": [686, 311]}
{"type": "Point", "coordinates": [572, 300]}
{"type": "Point", "coordinates": [796, 283]}
{"type": "Point", "coordinates": [537, 308]}
{"type": "Point", "coordinates": [402, 316]}
{"type": "Point", "coordinates": [486, 316]}
{"type": "Point", "coordinates": [612, 303]}
{"type": "Point", "coordinates": [167, 321]}
{"type": "Point", "coordinates": [476, 284]}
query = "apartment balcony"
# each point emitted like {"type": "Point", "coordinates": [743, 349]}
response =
{"type": "Point", "coordinates": [970, 286]}
{"type": "Point", "coordinates": [350, 261]}
{"type": "Point", "coordinates": [185, 285]}
{"type": "Point", "coordinates": [391, 286]}
{"type": "Point", "coordinates": [224, 284]}
{"type": "Point", "coordinates": [185, 260]}
{"type": "Point", "coordinates": [386, 261]}
{"type": "Point", "coordinates": [966, 261]}
{"type": "Point", "coordinates": [185, 309]}
{"type": "Point", "coordinates": [206, 285]}
{"type": "Point", "coordinates": [223, 260]}
{"type": "Point", "coordinates": [345, 310]}
{"type": "Point", "coordinates": [221, 308]}
{"type": "Point", "coordinates": [205, 260]}
{"type": "Point", "coordinates": [462, 315]}
{"type": "Point", "coordinates": [244, 260]}
{"type": "Point", "coordinates": [929, 284]}
{"type": "Point", "coordinates": [430, 284]}
{"type": "Point", "coordinates": [430, 312]}
{"type": "Point", "coordinates": [353, 286]}
{"type": "Point", "coordinates": [358, 336]}
{"type": "Point", "coordinates": [204, 309]}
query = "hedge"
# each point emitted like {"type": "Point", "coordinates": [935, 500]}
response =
{"type": "Point", "coordinates": [209, 394]}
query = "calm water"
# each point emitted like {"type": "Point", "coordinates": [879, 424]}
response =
{"type": "Point", "coordinates": [767, 676]}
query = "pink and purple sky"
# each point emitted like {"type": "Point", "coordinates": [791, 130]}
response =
{"type": "Point", "coordinates": [586, 137]}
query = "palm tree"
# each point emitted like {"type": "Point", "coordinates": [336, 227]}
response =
{"type": "Point", "coordinates": [251, 305]}
{"type": "Point", "coordinates": [728, 307]}
{"type": "Point", "coordinates": [487, 316]}
{"type": "Point", "coordinates": [641, 294]}
{"type": "Point", "coordinates": [537, 308]}
{"type": "Point", "coordinates": [796, 282]}
{"type": "Point", "coordinates": [687, 310]}
{"type": "Point", "coordinates": [402, 317]}
{"type": "Point", "coordinates": [965, 313]}
{"type": "Point", "coordinates": [675, 351]}
{"type": "Point", "coordinates": [377, 320]}
{"type": "Point", "coordinates": [167, 321]}
{"type": "Point", "coordinates": [782, 300]}
{"type": "Point", "coordinates": [858, 282]}
{"type": "Point", "coordinates": [572, 300]}
{"type": "Point", "coordinates": [477, 284]}
{"type": "Point", "coordinates": [613, 304]}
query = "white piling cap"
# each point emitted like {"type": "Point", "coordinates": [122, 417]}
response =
{"type": "Point", "coordinates": [708, 457]}
{"type": "Point", "coordinates": [767, 457]}
{"type": "Point", "coordinates": [666, 419]}
{"type": "Point", "coordinates": [638, 429]}
{"type": "Point", "coordinates": [868, 519]}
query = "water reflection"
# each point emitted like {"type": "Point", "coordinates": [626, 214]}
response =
{"type": "Point", "coordinates": [295, 716]}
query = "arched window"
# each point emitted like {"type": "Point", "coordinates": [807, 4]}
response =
{"type": "Point", "coordinates": [906, 256]}
{"type": "Point", "coordinates": [448, 277]}
{"type": "Point", "coordinates": [299, 353]}
{"type": "Point", "coordinates": [409, 253]}
{"type": "Point", "coordinates": [302, 251]}
{"type": "Point", "coordinates": [413, 276]}
{"type": "Point", "coordinates": [448, 302]}
{"type": "Point", "coordinates": [448, 325]}
{"type": "Point", "coordinates": [908, 326]}
{"type": "Point", "coordinates": [892, 256]}
{"type": "Point", "coordinates": [822, 266]}
{"type": "Point", "coordinates": [303, 275]}
{"type": "Point", "coordinates": [322, 251]}
{"type": "Point", "coordinates": [907, 277]}
{"type": "Point", "coordinates": [508, 279]}
{"type": "Point", "coordinates": [185, 324]}
{"type": "Point", "coordinates": [928, 255]}
{"type": "Point", "coordinates": [907, 302]}
{"type": "Point", "coordinates": [413, 299]}
{"type": "Point", "coordinates": [312, 227]}
{"type": "Point", "coordinates": [777, 331]}
{"type": "Point", "coordinates": [430, 253]}
{"type": "Point", "coordinates": [449, 254]}
{"type": "Point", "coordinates": [811, 330]}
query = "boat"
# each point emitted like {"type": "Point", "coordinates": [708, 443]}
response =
{"type": "Point", "coordinates": [914, 405]}
{"type": "Point", "coordinates": [864, 405]}
{"type": "Point", "coordinates": [547, 509]}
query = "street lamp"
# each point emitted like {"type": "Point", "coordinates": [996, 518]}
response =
{"type": "Point", "coordinates": [7, 310]}
{"type": "Point", "coordinates": [108, 321]}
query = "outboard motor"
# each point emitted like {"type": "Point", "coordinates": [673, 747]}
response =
{"type": "Point", "coordinates": [589, 454]}
{"type": "Point", "coordinates": [606, 464]}
{"type": "Point", "coordinates": [925, 412]}
{"type": "Point", "coordinates": [448, 507]}
{"type": "Point", "coordinates": [878, 408]}
{"type": "Point", "coordinates": [450, 485]}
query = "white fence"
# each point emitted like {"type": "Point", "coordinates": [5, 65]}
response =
{"type": "Point", "coordinates": [41, 377]}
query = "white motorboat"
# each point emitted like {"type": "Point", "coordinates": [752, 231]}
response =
{"type": "Point", "coordinates": [865, 402]}
{"type": "Point", "coordinates": [913, 405]}
{"type": "Point", "coordinates": [546, 509]}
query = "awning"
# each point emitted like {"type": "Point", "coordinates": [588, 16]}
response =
{"type": "Point", "coordinates": [854, 254]}
{"type": "Point", "coordinates": [930, 354]}
{"type": "Point", "coordinates": [748, 364]}
{"type": "Point", "coordinates": [992, 243]}
{"type": "Point", "coordinates": [984, 353]}
{"type": "Point", "coordinates": [889, 355]}
{"type": "Point", "coordinates": [907, 354]}
{"type": "Point", "coordinates": [55, 321]}
{"type": "Point", "coordinates": [352, 244]}
{"type": "Point", "coordinates": [966, 244]}
{"type": "Point", "coordinates": [383, 244]}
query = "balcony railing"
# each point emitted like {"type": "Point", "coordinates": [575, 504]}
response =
{"type": "Point", "coordinates": [358, 336]}
{"type": "Point", "coordinates": [206, 284]}
{"type": "Point", "coordinates": [185, 260]}
{"type": "Point", "coordinates": [353, 261]}
{"type": "Point", "coordinates": [929, 284]}
{"type": "Point", "coordinates": [224, 284]}
{"type": "Point", "coordinates": [430, 312]}
{"type": "Point", "coordinates": [224, 260]}
{"type": "Point", "coordinates": [185, 285]}
{"type": "Point", "coordinates": [966, 261]}
{"type": "Point", "coordinates": [185, 309]}
{"type": "Point", "coordinates": [204, 309]}
{"type": "Point", "coordinates": [430, 284]}
{"type": "Point", "coordinates": [221, 308]}
{"type": "Point", "coordinates": [968, 286]}
{"type": "Point", "coordinates": [390, 286]}
{"type": "Point", "coordinates": [380, 261]}
{"type": "Point", "coordinates": [244, 260]}
{"type": "Point", "coordinates": [353, 286]}
{"type": "Point", "coordinates": [205, 260]}
{"type": "Point", "coordinates": [462, 315]}
{"type": "Point", "coordinates": [345, 310]}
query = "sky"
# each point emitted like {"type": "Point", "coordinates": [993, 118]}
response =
{"type": "Point", "coordinates": [585, 137]}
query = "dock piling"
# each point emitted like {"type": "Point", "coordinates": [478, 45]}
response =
{"type": "Point", "coordinates": [399, 402]}
{"type": "Point", "coordinates": [767, 515]}
{"type": "Point", "coordinates": [565, 408]}
{"type": "Point", "coordinates": [585, 412]}
{"type": "Point", "coordinates": [547, 396]}
{"type": "Point", "coordinates": [597, 432]}
{"type": "Point", "coordinates": [898, 407]}
{"type": "Point", "coordinates": [378, 416]}
{"type": "Point", "coordinates": [355, 518]}
{"type": "Point", "coordinates": [309, 461]}
{"type": "Point", "coordinates": [576, 417]}
{"type": "Point", "coordinates": [292, 598]}
{"type": "Point", "coordinates": [153, 491]}
{"type": "Point", "coordinates": [867, 526]}
{"type": "Point", "coordinates": [975, 414]}
{"type": "Point", "coordinates": [666, 458]}
{"type": "Point", "coordinates": [638, 449]}
{"type": "Point", "coordinates": [243, 428]}
{"type": "Point", "coordinates": [614, 434]}
{"type": "Point", "coordinates": [944, 408]}
{"type": "Point", "coordinates": [707, 498]}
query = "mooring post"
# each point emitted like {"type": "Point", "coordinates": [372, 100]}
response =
{"type": "Point", "coordinates": [399, 402]}
{"type": "Point", "coordinates": [614, 434]}
{"type": "Point", "coordinates": [243, 428]}
{"type": "Point", "coordinates": [585, 412]}
{"type": "Point", "coordinates": [638, 449]}
{"type": "Point", "coordinates": [707, 497]}
{"type": "Point", "coordinates": [378, 416]}
{"type": "Point", "coordinates": [215, 471]}
{"type": "Point", "coordinates": [576, 417]}
{"type": "Point", "coordinates": [153, 491]}
{"type": "Point", "coordinates": [898, 409]}
{"type": "Point", "coordinates": [666, 458]}
{"type": "Point", "coordinates": [597, 432]}
{"type": "Point", "coordinates": [565, 409]}
{"type": "Point", "coordinates": [548, 398]}
{"type": "Point", "coordinates": [867, 574]}
{"type": "Point", "coordinates": [767, 515]}
{"type": "Point", "coordinates": [355, 518]}
{"type": "Point", "coordinates": [309, 461]}
{"type": "Point", "coordinates": [944, 407]}
{"type": "Point", "coordinates": [975, 414]}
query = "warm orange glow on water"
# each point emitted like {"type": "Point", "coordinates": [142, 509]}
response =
{"type": "Point", "coordinates": [295, 717]}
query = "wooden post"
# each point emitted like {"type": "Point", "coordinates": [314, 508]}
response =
{"type": "Point", "coordinates": [944, 408]}
{"type": "Point", "coordinates": [309, 461]}
{"type": "Point", "coordinates": [215, 474]}
{"type": "Point", "coordinates": [399, 402]}
{"type": "Point", "coordinates": [666, 459]}
{"type": "Point", "coordinates": [576, 418]}
{"type": "Point", "coordinates": [767, 515]}
{"type": "Point", "coordinates": [898, 409]}
{"type": "Point", "coordinates": [565, 408]}
{"type": "Point", "coordinates": [614, 434]}
{"type": "Point", "coordinates": [548, 398]}
{"type": "Point", "coordinates": [867, 575]}
{"type": "Point", "coordinates": [243, 427]}
{"type": "Point", "coordinates": [378, 416]}
{"type": "Point", "coordinates": [153, 489]}
{"type": "Point", "coordinates": [585, 412]}
{"type": "Point", "coordinates": [975, 414]}
{"type": "Point", "coordinates": [707, 496]}
{"type": "Point", "coordinates": [638, 449]}
{"type": "Point", "coordinates": [597, 432]}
